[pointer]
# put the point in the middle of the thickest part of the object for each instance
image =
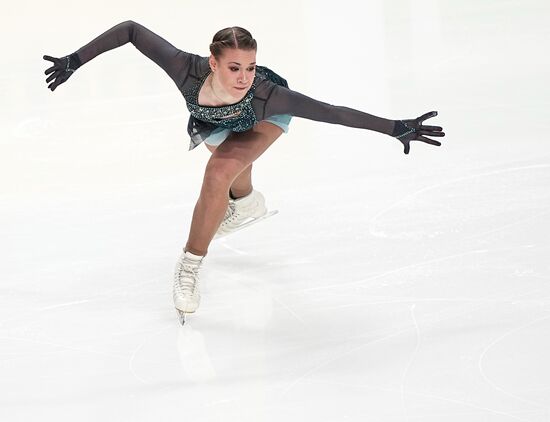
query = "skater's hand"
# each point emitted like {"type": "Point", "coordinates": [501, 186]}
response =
{"type": "Point", "coordinates": [413, 130]}
{"type": "Point", "coordinates": [61, 70]}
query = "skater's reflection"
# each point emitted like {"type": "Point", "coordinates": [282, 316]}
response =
{"type": "Point", "coordinates": [195, 361]}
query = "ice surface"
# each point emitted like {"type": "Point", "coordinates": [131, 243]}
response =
{"type": "Point", "coordinates": [387, 288]}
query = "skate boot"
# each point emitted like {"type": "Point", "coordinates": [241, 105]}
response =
{"type": "Point", "coordinates": [186, 284]}
{"type": "Point", "coordinates": [242, 212]}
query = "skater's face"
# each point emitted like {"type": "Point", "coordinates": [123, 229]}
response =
{"type": "Point", "coordinates": [235, 70]}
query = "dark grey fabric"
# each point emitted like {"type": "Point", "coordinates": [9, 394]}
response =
{"type": "Point", "coordinates": [186, 69]}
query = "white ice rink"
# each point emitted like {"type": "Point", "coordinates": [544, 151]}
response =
{"type": "Point", "coordinates": [389, 287]}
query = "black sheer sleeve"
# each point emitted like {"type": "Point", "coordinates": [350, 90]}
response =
{"type": "Point", "coordinates": [172, 60]}
{"type": "Point", "coordinates": [282, 100]}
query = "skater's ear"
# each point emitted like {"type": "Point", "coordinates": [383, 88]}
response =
{"type": "Point", "coordinates": [212, 62]}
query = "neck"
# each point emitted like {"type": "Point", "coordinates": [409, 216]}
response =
{"type": "Point", "coordinates": [218, 92]}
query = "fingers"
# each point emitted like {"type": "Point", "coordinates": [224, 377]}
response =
{"type": "Point", "coordinates": [422, 138]}
{"type": "Point", "coordinates": [54, 67]}
{"type": "Point", "coordinates": [53, 85]}
{"type": "Point", "coordinates": [53, 76]}
{"type": "Point", "coordinates": [426, 116]}
{"type": "Point", "coordinates": [430, 133]}
{"type": "Point", "coordinates": [428, 141]}
{"type": "Point", "coordinates": [50, 58]}
{"type": "Point", "coordinates": [433, 128]}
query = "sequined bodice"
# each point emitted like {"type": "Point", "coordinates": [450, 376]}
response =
{"type": "Point", "coordinates": [237, 117]}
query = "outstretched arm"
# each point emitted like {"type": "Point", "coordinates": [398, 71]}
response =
{"type": "Point", "coordinates": [174, 61]}
{"type": "Point", "coordinates": [286, 101]}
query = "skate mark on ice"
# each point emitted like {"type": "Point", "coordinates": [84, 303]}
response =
{"type": "Point", "coordinates": [411, 393]}
{"type": "Point", "coordinates": [61, 346]}
{"type": "Point", "coordinates": [495, 342]}
{"type": "Point", "coordinates": [342, 355]}
{"type": "Point", "coordinates": [433, 397]}
{"type": "Point", "coordinates": [391, 300]}
{"type": "Point", "coordinates": [411, 359]}
{"type": "Point", "coordinates": [63, 305]}
{"type": "Point", "coordinates": [232, 249]}
{"type": "Point", "coordinates": [507, 226]}
{"type": "Point", "coordinates": [93, 298]}
{"type": "Point", "coordinates": [235, 277]}
{"type": "Point", "coordinates": [380, 233]}
{"type": "Point", "coordinates": [406, 267]}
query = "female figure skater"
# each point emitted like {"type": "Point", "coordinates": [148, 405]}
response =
{"type": "Point", "coordinates": [238, 109]}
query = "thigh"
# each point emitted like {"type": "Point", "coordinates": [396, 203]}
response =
{"type": "Point", "coordinates": [243, 148]}
{"type": "Point", "coordinates": [216, 137]}
{"type": "Point", "coordinates": [211, 148]}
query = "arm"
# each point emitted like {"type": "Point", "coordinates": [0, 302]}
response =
{"type": "Point", "coordinates": [173, 61]}
{"type": "Point", "coordinates": [286, 101]}
{"type": "Point", "coordinates": [282, 100]}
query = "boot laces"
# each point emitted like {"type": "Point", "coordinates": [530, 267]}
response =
{"type": "Point", "coordinates": [231, 213]}
{"type": "Point", "coordinates": [187, 278]}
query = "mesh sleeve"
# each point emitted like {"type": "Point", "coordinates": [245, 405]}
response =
{"type": "Point", "coordinates": [282, 100]}
{"type": "Point", "coordinates": [172, 60]}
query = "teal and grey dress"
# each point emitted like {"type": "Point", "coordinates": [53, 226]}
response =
{"type": "Point", "coordinates": [268, 96]}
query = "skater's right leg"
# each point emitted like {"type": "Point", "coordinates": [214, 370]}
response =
{"type": "Point", "coordinates": [242, 185]}
{"type": "Point", "coordinates": [234, 155]}
{"type": "Point", "coordinates": [244, 203]}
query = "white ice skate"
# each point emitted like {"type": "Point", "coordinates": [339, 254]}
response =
{"type": "Point", "coordinates": [186, 284]}
{"type": "Point", "coordinates": [243, 212]}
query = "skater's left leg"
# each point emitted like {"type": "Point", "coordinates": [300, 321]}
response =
{"type": "Point", "coordinates": [226, 163]}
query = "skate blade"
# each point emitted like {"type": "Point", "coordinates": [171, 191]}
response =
{"type": "Point", "coordinates": [182, 315]}
{"type": "Point", "coordinates": [248, 223]}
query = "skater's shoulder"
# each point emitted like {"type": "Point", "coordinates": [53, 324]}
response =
{"type": "Point", "coordinates": [266, 81]}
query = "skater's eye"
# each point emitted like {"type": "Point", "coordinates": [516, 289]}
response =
{"type": "Point", "coordinates": [234, 69]}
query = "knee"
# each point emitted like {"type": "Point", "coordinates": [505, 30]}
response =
{"type": "Point", "coordinates": [222, 172]}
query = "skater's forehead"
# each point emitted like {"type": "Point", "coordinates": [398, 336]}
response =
{"type": "Point", "coordinates": [238, 56]}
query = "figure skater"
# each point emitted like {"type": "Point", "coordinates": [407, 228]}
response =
{"type": "Point", "coordinates": [238, 109]}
